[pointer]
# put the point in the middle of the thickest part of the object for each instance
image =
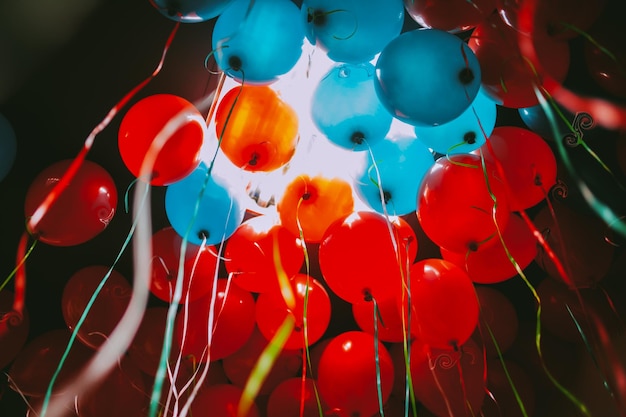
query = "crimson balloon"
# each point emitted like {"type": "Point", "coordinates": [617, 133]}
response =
{"type": "Point", "coordinates": [498, 322]}
{"type": "Point", "coordinates": [14, 328]}
{"type": "Point", "coordinates": [451, 15]}
{"type": "Point", "coordinates": [221, 400]}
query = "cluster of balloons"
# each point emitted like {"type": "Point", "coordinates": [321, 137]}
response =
{"type": "Point", "coordinates": [409, 119]}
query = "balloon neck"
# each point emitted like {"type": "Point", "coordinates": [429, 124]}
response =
{"type": "Point", "coordinates": [367, 295]}
{"type": "Point", "coordinates": [234, 62]}
{"type": "Point", "coordinates": [470, 138]}
{"type": "Point", "coordinates": [357, 138]}
{"type": "Point", "coordinates": [386, 196]}
{"type": "Point", "coordinates": [203, 234]}
{"type": "Point", "coordinates": [316, 17]}
{"type": "Point", "coordinates": [466, 76]}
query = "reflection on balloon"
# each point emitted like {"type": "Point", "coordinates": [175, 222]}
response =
{"type": "Point", "coordinates": [190, 11]}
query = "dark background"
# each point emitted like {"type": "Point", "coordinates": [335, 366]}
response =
{"type": "Point", "coordinates": [64, 68]}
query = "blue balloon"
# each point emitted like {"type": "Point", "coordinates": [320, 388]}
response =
{"type": "Point", "coordinates": [352, 31]}
{"type": "Point", "coordinates": [8, 147]}
{"type": "Point", "coordinates": [464, 134]}
{"type": "Point", "coordinates": [218, 215]}
{"type": "Point", "coordinates": [346, 108]}
{"type": "Point", "coordinates": [427, 76]}
{"type": "Point", "coordinates": [190, 11]}
{"type": "Point", "coordinates": [256, 41]}
{"type": "Point", "coordinates": [401, 164]}
{"type": "Point", "coordinates": [535, 119]}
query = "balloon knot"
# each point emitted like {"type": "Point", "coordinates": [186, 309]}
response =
{"type": "Point", "coordinates": [234, 62]}
{"type": "Point", "coordinates": [367, 295]}
{"type": "Point", "coordinates": [466, 76]}
{"type": "Point", "coordinates": [357, 137]}
{"type": "Point", "coordinates": [317, 17]}
{"type": "Point", "coordinates": [470, 138]}
{"type": "Point", "coordinates": [203, 234]}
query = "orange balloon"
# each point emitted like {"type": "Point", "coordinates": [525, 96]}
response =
{"type": "Point", "coordinates": [258, 131]}
{"type": "Point", "coordinates": [315, 203]}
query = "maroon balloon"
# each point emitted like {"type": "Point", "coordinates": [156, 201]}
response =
{"type": "Point", "coordinates": [14, 328]}
{"type": "Point", "coordinates": [285, 399]}
{"type": "Point", "coordinates": [449, 15]}
{"type": "Point", "coordinates": [82, 211]}
{"type": "Point", "coordinates": [220, 400]}
{"type": "Point", "coordinates": [503, 401]}
{"type": "Point", "coordinates": [106, 311]}
{"type": "Point", "coordinates": [498, 320]}
{"type": "Point", "coordinates": [145, 349]}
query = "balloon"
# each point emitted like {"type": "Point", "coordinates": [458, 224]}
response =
{"type": "Point", "coordinates": [32, 369]}
{"type": "Point", "coordinates": [145, 349]}
{"type": "Point", "coordinates": [451, 15]}
{"type": "Point", "coordinates": [444, 308]}
{"type": "Point", "coordinates": [491, 264]}
{"type": "Point", "coordinates": [346, 108]}
{"type": "Point", "coordinates": [389, 320]}
{"type": "Point", "coordinates": [107, 309]}
{"type": "Point", "coordinates": [220, 400]}
{"type": "Point", "coordinates": [81, 212]}
{"type": "Point", "coordinates": [348, 377]}
{"type": "Point", "coordinates": [528, 162]}
{"type": "Point", "coordinates": [313, 204]}
{"type": "Point", "coordinates": [218, 212]}
{"type": "Point", "coordinates": [310, 297]}
{"type": "Point", "coordinates": [456, 207]}
{"type": "Point", "coordinates": [466, 132]}
{"type": "Point", "coordinates": [233, 323]}
{"type": "Point", "coordinates": [256, 42]}
{"type": "Point", "coordinates": [123, 392]}
{"type": "Point", "coordinates": [559, 19]}
{"type": "Point", "coordinates": [285, 399]}
{"type": "Point", "coordinates": [240, 364]}
{"type": "Point", "coordinates": [190, 11]}
{"type": "Point", "coordinates": [579, 244]}
{"type": "Point", "coordinates": [449, 383]}
{"type": "Point", "coordinates": [507, 76]}
{"type": "Point", "coordinates": [394, 168]}
{"type": "Point", "coordinates": [498, 317]}
{"type": "Point", "coordinates": [257, 130]}
{"type": "Point", "coordinates": [141, 126]}
{"type": "Point", "coordinates": [419, 67]}
{"type": "Point", "coordinates": [352, 32]}
{"type": "Point", "coordinates": [198, 267]}
{"type": "Point", "coordinates": [504, 402]}
{"type": "Point", "coordinates": [8, 146]}
{"type": "Point", "coordinates": [14, 329]}
{"type": "Point", "coordinates": [358, 259]}
{"type": "Point", "coordinates": [536, 119]}
{"type": "Point", "coordinates": [250, 251]}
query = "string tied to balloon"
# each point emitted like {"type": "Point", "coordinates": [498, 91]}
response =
{"type": "Point", "coordinates": [319, 18]}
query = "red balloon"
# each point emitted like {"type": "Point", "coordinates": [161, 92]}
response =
{"type": "Point", "coordinates": [197, 282]}
{"type": "Point", "coordinates": [13, 328]}
{"type": "Point", "coordinates": [607, 70]}
{"type": "Point", "coordinates": [220, 400]}
{"type": "Point", "coordinates": [450, 15]}
{"type": "Point", "coordinates": [32, 369]}
{"type": "Point", "coordinates": [347, 374]}
{"type": "Point", "coordinates": [285, 399]}
{"type": "Point", "coordinates": [233, 323]}
{"type": "Point", "coordinates": [504, 402]}
{"type": "Point", "coordinates": [83, 210]}
{"type": "Point", "coordinates": [358, 259]}
{"type": "Point", "coordinates": [239, 365]}
{"type": "Point", "coordinates": [528, 162]}
{"type": "Point", "coordinates": [145, 349]}
{"type": "Point", "coordinates": [498, 317]}
{"type": "Point", "coordinates": [122, 393]}
{"type": "Point", "coordinates": [456, 203]}
{"type": "Point", "coordinates": [107, 309]}
{"type": "Point", "coordinates": [389, 319]}
{"type": "Point", "coordinates": [490, 264]}
{"type": "Point", "coordinates": [180, 154]}
{"type": "Point", "coordinates": [250, 254]}
{"type": "Point", "coordinates": [443, 305]}
{"type": "Point", "coordinates": [506, 75]}
{"type": "Point", "coordinates": [449, 383]}
{"type": "Point", "coordinates": [272, 310]}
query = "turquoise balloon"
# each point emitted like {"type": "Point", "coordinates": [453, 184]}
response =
{"type": "Point", "coordinates": [537, 120]}
{"type": "Point", "coordinates": [401, 164]}
{"type": "Point", "coordinates": [352, 31]}
{"type": "Point", "coordinates": [427, 76]}
{"type": "Point", "coordinates": [8, 147]}
{"type": "Point", "coordinates": [257, 41]}
{"type": "Point", "coordinates": [346, 108]}
{"type": "Point", "coordinates": [219, 212]}
{"type": "Point", "coordinates": [190, 11]}
{"type": "Point", "coordinates": [465, 133]}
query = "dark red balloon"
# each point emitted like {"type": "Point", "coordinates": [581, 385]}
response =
{"type": "Point", "coordinates": [145, 349]}
{"type": "Point", "coordinates": [498, 320]}
{"type": "Point", "coordinates": [14, 328]}
{"type": "Point", "coordinates": [347, 374]}
{"type": "Point", "coordinates": [199, 267]}
{"type": "Point", "coordinates": [607, 68]}
{"type": "Point", "coordinates": [250, 254]}
{"type": "Point", "coordinates": [358, 259]}
{"type": "Point", "coordinates": [220, 400]}
{"type": "Point", "coordinates": [456, 203]}
{"type": "Point", "coordinates": [82, 211]}
{"type": "Point", "coordinates": [285, 399]}
{"type": "Point", "coordinates": [443, 305]}
{"type": "Point", "coordinates": [449, 383]}
{"type": "Point", "coordinates": [449, 15]}
{"type": "Point", "coordinates": [504, 401]}
{"type": "Point", "coordinates": [310, 296]}
{"type": "Point", "coordinates": [180, 154]}
{"type": "Point", "coordinates": [106, 311]}
{"type": "Point", "coordinates": [233, 323]}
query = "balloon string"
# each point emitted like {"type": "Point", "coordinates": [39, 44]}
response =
{"type": "Point", "coordinates": [431, 366]}
{"type": "Point", "coordinates": [459, 368]}
{"type": "Point", "coordinates": [409, 391]}
{"type": "Point", "coordinates": [313, 14]}
{"type": "Point", "coordinates": [379, 388]}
